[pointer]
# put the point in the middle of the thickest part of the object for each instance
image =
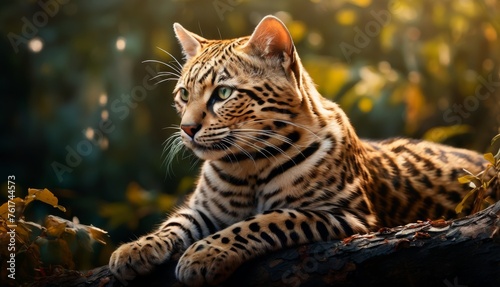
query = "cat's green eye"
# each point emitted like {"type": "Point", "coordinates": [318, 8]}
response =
{"type": "Point", "coordinates": [224, 92]}
{"type": "Point", "coordinates": [183, 93]}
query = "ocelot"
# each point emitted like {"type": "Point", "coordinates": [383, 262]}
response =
{"type": "Point", "coordinates": [283, 166]}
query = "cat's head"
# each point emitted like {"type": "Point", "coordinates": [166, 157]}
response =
{"type": "Point", "coordinates": [239, 96]}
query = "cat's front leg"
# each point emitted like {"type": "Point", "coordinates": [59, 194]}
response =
{"type": "Point", "coordinates": [214, 258]}
{"type": "Point", "coordinates": [173, 236]}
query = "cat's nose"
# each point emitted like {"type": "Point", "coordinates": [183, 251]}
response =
{"type": "Point", "coordinates": [191, 129]}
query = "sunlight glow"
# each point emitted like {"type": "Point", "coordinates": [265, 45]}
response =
{"type": "Point", "coordinates": [121, 43]}
{"type": "Point", "coordinates": [105, 115]}
{"type": "Point", "coordinates": [35, 45]}
{"type": "Point", "coordinates": [89, 133]}
{"type": "Point", "coordinates": [103, 99]}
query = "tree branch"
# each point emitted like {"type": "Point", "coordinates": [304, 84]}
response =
{"type": "Point", "coordinates": [462, 252]}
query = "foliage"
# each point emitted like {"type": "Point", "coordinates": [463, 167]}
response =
{"type": "Point", "coordinates": [139, 203]}
{"type": "Point", "coordinates": [42, 249]}
{"type": "Point", "coordinates": [488, 180]}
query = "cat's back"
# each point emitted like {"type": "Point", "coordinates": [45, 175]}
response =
{"type": "Point", "coordinates": [417, 180]}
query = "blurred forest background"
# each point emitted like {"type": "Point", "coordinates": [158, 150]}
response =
{"type": "Point", "coordinates": [82, 117]}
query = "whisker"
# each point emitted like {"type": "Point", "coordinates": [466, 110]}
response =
{"type": "Point", "coordinates": [270, 134]}
{"type": "Point", "coordinates": [227, 151]}
{"type": "Point", "coordinates": [261, 150]}
{"type": "Point", "coordinates": [172, 146]}
{"type": "Point", "coordinates": [283, 121]}
{"type": "Point", "coordinates": [174, 126]}
{"type": "Point", "coordinates": [165, 74]}
{"type": "Point", "coordinates": [164, 80]}
{"type": "Point", "coordinates": [175, 59]}
{"type": "Point", "coordinates": [254, 146]}
{"type": "Point", "coordinates": [245, 152]}
{"type": "Point", "coordinates": [176, 69]}
{"type": "Point", "coordinates": [194, 163]}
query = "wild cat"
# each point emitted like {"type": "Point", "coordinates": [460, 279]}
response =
{"type": "Point", "coordinates": [282, 165]}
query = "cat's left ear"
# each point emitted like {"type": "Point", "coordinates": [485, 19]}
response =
{"type": "Point", "coordinates": [271, 39]}
{"type": "Point", "coordinates": [190, 42]}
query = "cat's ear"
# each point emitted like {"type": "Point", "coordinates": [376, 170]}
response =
{"type": "Point", "coordinates": [270, 38]}
{"type": "Point", "coordinates": [190, 42]}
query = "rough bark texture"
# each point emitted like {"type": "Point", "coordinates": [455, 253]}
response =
{"type": "Point", "coordinates": [463, 252]}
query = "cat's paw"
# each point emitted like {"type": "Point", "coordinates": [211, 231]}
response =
{"type": "Point", "coordinates": [207, 263]}
{"type": "Point", "coordinates": [138, 257]}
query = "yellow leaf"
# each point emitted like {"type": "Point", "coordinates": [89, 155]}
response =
{"type": "Point", "coordinates": [98, 234]}
{"type": "Point", "coordinates": [43, 195]}
{"type": "Point", "coordinates": [489, 157]}
{"type": "Point", "coordinates": [465, 179]}
{"type": "Point", "coordinates": [55, 227]}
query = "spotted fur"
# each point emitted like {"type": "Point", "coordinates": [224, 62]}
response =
{"type": "Point", "coordinates": [283, 165]}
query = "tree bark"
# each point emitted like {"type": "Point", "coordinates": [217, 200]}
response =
{"type": "Point", "coordinates": [462, 252]}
